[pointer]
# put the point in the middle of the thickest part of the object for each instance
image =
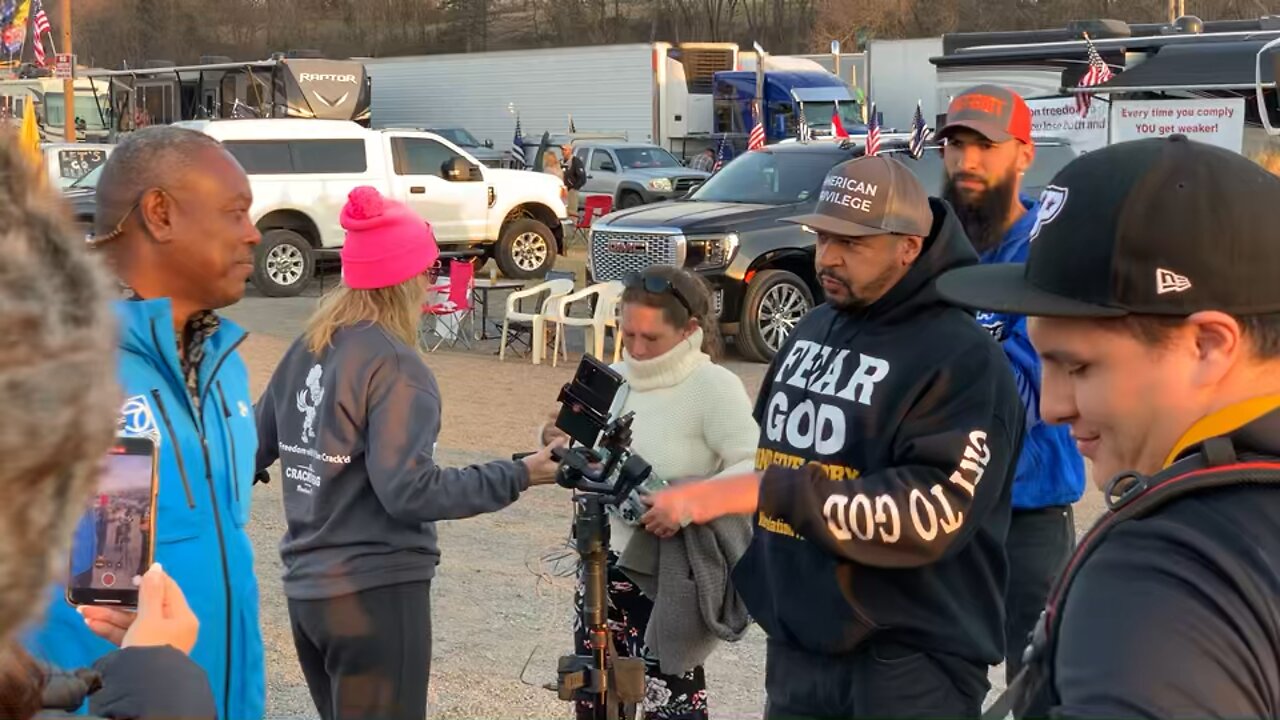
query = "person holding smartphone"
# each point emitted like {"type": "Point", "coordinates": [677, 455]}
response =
{"type": "Point", "coordinates": [352, 413]}
{"type": "Point", "coordinates": [692, 419]}
{"type": "Point", "coordinates": [58, 401]}
{"type": "Point", "coordinates": [173, 224]}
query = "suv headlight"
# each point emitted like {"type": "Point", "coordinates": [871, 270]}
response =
{"type": "Point", "coordinates": [715, 252]}
{"type": "Point", "coordinates": [660, 185]}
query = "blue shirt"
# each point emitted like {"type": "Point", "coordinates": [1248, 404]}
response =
{"type": "Point", "coordinates": [1050, 469]}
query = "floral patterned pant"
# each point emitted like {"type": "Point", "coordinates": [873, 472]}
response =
{"type": "Point", "coordinates": [667, 697]}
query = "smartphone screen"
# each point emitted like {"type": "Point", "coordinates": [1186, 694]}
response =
{"type": "Point", "coordinates": [113, 543]}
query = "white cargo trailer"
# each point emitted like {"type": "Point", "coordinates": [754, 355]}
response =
{"type": "Point", "coordinates": [649, 92]}
{"type": "Point", "coordinates": [899, 75]}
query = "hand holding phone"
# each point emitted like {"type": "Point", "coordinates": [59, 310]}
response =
{"type": "Point", "coordinates": [162, 618]}
{"type": "Point", "coordinates": [114, 541]}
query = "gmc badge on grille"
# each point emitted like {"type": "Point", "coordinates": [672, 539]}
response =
{"type": "Point", "coordinates": [628, 247]}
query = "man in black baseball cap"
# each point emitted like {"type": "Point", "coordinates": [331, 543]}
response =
{"type": "Point", "coordinates": [1152, 289]}
{"type": "Point", "coordinates": [890, 424]}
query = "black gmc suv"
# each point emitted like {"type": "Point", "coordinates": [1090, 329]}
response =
{"type": "Point", "coordinates": [760, 270]}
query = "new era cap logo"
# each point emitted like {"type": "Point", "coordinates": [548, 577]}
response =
{"type": "Point", "coordinates": [1168, 281]}
{"type": "Point", "coordinates": [1052, 200]}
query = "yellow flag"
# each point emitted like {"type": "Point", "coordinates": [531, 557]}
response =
{"type": "Point", "coordinates": [29, 134]}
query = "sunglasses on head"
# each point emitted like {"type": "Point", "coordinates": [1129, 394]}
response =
{"type": "Point", "coordinates": [655, 285]}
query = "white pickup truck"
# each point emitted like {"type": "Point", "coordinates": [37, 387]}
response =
{"type": "Point", "coordinates": [301, 171]}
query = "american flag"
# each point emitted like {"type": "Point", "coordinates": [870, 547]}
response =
{"type": "Point", "coordinates": [517, 147]}
{"type": "Point", "coordinates": [1098, 73]}
{"type": "Point", "coordinates": [919, 132]}
{"type": "Point", "coordinates": [873, 133]}
{"type": "Point", "coordinates": [803, 132]}
{"type": "Point", "coordinates": [722, 154]}
{"type": "Point", "coordinates": [755, 140]}
{"type": "Point", "coordinates": [41, 22]}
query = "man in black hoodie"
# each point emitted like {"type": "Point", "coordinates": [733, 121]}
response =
{"type": "Point", "coordinates": [891, 426]}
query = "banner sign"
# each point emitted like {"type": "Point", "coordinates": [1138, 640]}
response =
{"type": "Point", "coordinates": [1216, 121]}
{"type": "Point", "coordinates": [1059, 117]}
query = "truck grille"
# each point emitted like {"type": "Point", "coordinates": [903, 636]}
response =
{"type": "Point", "coordinates": [686, 184]}
{"type": "Point", "coordinates": [616, 253]}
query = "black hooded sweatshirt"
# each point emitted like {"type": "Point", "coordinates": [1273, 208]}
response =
{"type": "Point", "coordinates": [889, 438]}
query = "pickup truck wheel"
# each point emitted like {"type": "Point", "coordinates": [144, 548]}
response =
{"type": "Point", "coordinates": [773, 305]}
{"type": "Point", "coordinates": [282, 264]}
{"type": "Point", "coordinates": [630, 199]}
{"type": "Point", "coordinates": [527, 250]}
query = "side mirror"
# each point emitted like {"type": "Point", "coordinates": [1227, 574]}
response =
{"type": "Point", "coordinates": [488, 143]}
{"type": "Point", "coordinates": [458, 170]}
{"type": "Point", "coordinates": [608, 166]}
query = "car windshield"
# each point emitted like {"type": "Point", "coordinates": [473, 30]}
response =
{"type": "Point", "coordinates": [459, 137]}
{"type": "Point", "coordinates": [90, 180]}
{"type": "Point", "coordinates": [819, 114]}
{"type": "Point", "coordinates": [643, 158]}
{"type": "Point", "coordinates": [93, 110]}
{"type": "Point", "coordinates": [768, 177]}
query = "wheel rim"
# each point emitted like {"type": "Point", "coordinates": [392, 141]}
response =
{"type": "Point", "coordinates": [284, 264]}
{"type": "Point", "coordinates": [780, 309]}
{"type": "Point", "coordinates": [529, 251]}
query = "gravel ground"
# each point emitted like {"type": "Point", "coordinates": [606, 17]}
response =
{"type": "Point", "coordinates": [494, 602]}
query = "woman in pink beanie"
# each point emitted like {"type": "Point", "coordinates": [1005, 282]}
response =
{"type": "Point", "coordinates": [352, 414]}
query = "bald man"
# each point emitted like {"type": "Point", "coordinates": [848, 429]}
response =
{"type": "Point", "coordinates": [173, 222]}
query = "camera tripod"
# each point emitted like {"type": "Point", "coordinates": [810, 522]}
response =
{"type": "Point", "coordinates": [612, 686]}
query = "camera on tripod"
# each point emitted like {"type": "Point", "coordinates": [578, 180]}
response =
{"type": "Point", "coordinates": [605, 473]}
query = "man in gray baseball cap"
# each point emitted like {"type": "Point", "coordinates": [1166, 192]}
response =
{"type": "Point", "coordinates": [878, 215]}
{"type": "Point", "coordinates": [890, 425]}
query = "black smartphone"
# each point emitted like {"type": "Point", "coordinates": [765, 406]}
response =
{"type": "Point", "coordinates": [586, 403]}
{"type": "Point", "coordinates": [114, 541]}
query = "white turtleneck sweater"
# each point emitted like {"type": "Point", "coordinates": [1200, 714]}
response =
{"type": "Point", "coordinates": [692, 418]}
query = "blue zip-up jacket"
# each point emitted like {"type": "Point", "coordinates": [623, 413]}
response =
{"type": "Point", "coordinates": [1050, 469]}
{"type": "Point", "coordinates": [206, 474]}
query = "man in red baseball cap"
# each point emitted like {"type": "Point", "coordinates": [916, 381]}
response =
{"type": "Point", "coordinates": [988, 148]}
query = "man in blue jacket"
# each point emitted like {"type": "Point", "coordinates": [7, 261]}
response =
{"type": "Point", "coordinates": [988, 149]}
{"type": "Point", "coordinates": [173, 221]}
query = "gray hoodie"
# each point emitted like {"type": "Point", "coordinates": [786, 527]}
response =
{"type": "Point", "coordinates": [355, 431]}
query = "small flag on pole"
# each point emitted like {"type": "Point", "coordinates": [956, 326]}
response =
{"type": "Point", "coordinates": [803, 132]}
{"type": "Point", "coordinates": [1098, 73]}
{"type": "Point", "coordinates": [837, 127]}
{"type": "Point", "coordinates": [919, 132]}
{"type": "Point", "coordinates": [517, 148]}
{"type": "Point", "coordinates": [873, 132]}
{"type": "Point", "coordinates": [755, 141]}
{"type": "Point", "coordinates": [722, 154]}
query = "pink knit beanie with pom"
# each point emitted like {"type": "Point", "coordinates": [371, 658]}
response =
{"type": "Point", "coordinates": [387, 243]}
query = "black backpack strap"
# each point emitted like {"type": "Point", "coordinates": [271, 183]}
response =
{"type": "Point", "coordinates": [1129, 496]}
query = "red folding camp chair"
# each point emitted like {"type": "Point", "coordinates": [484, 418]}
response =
{"type": "Point", "coordinates": [454, 316]}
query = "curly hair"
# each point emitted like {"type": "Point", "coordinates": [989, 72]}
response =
{"type": "Point", "coordinates": [58, 392]}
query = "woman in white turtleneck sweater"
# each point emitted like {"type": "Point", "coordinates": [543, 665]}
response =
{"type": "Point", "coordinates": [693, 418]}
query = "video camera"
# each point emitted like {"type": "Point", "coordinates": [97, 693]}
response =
{"type": "Point", "coordinates": [606, 474]}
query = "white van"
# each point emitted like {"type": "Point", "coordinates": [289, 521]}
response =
{"type": "Point", "coordinates": [301, 171]}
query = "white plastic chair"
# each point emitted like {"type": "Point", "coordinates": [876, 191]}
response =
{"type": "Point", "coordinates": [555, 289]}
{"type": "Point", "coordinates": [559, 314]}
{"type": "Point", "coordinates": [613, 319]}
